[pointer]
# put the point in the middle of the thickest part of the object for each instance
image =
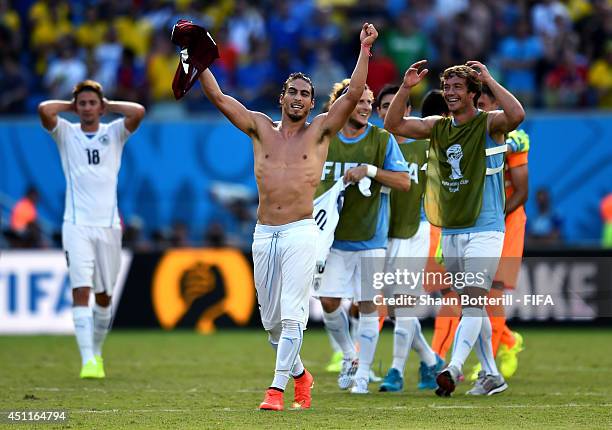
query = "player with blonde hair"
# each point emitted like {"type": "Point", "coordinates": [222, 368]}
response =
{"type": "Point", "coordinates": [359, 150]}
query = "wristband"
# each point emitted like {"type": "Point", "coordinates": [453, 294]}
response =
{"type": "Point", "coordinates": [367, 49]}
{"type": "Point", "coordinates": [372, 170]}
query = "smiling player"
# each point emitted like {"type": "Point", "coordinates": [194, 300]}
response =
{"type": "Point", "coordinates": [360, 149]}
{"type": "Point", "coordinates": [464, 195]}
{"type": "Point", "coordinates": [289, 157]}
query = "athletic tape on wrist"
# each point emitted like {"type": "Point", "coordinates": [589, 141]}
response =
{"type": "Point", "coordinates": [372, 170]}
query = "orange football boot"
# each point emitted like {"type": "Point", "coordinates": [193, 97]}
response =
{"type": "Point", "coordinates": [303, 385]}
{"type": "Point", "coordinates": [273, 400]}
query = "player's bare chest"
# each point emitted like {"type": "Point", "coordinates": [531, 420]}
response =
{"type": "Point", "coordinates": [288, 152]}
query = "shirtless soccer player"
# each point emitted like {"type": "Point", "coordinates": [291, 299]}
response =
{"type": "Point", "coordinates": [464, 195]}
{"type": "Point", "coordinates": [91, 234]}
{"type": "Point", "coordinates": [289, 157]}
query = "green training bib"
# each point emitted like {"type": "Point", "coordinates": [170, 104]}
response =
{"type": "Point", "coordinates": [359, 214]}
{"type": "Point", "coordinates": [456, 170]}
{"type": "Point", "coordinates": [406, 205]}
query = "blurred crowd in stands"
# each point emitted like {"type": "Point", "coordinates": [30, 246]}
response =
{"type": "Point", "coordinates": [551, 54]}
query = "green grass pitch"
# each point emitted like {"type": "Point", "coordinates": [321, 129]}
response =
{"type": "Point", "coordinates": [162, 380]}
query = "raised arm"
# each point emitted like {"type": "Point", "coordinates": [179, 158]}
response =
{"type": "Point", "coordinates": [236, 112]}
{"type": "Point", "coordinates": [133, 112]}
{"type": "Point", "coordinates": [395, 121]}
{"type": "Point", "coordinates": [512, 113]}
{"type": "Point", "coordinates": [49, 109]}
{"type": "Point", "coordinates": [341, 109]}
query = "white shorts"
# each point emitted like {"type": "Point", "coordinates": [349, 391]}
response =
{"type": "Point", "coordinates": [284, 264]}
{"type": "Point", "coordinates": [409, 255]}
{"type": "Point", "coordinates": [93, 255]}
{"type": "Point", "coordinates": [473, 255]}
{"type": "Point", "coordinates": [348, 275]}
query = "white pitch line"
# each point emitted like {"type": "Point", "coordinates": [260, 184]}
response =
{"type": "Point", "coordinates": [566, 405]}
{"type": "Point", "coordinates": [249, 390]}
{"type": "Point", "coordinates": [391, 408]}
{"type": "Point", "coordinates": [559, 393]}
{"type": "Point", "coordinates": [573, 369]}
{"type": "Point", "coordinates": [116, 390]}
{"type": "Point", "coordinates": [97, 390]}
{"type": "Point", "coordinates": [138, 411]}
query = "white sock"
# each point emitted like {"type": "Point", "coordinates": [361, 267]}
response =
{"type": "Point", "coordinates": [83, 330]}
{"type": "Point", "coordinates": [466, 336]}
{"type": "Point", "coordinates": [333, 343]}
{"type": "Point", "coordinates": [368, 338]}
{"type": "Point", "coordinates": [484, 348]}
{"type": "Point", "coordinates": [420, 345]}
{"type": "Point", "coordinates": [101, 324]}
{"type": "Point", "coordinates": [337, 326]}
{"type": "Point", "coordinates": [298, 367]}
{"type": "Point", "coordinates": [354, 329]}
{"type": "Point", "coordinates": [287, 352]}
{"type": "Point", "coordinates": [403, 335]}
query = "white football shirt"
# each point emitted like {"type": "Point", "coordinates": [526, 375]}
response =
{"type": "Point", "coordinates": [91, 167]}
{"type": "Point", "coordinates": [326, 213]}
{"type": "Point", "coordinates": [327, 208]}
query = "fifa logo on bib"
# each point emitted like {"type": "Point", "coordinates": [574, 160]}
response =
{"type": "Point", "coordinates": [454, 155]}
{"type": "Point", "coordinates": [103, 139]}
